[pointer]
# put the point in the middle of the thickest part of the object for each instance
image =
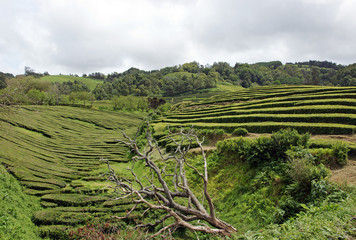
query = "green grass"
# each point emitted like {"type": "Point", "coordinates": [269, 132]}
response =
{"type": "Point", "coordinates": [16, 209]}
{"type": "Point", "coordinates": [329, 221]}
{"type": "Point", "coordinates": [91, 83]}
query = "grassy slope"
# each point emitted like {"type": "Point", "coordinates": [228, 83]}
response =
{"type": "Point", "coordinates": [16, 209]}
{"type": "Point", "coordinates": [56, 151]}
{"type": "Point", "coordinates": [247, 198]}
{"type": "Point", "coordinates": [91, 83]}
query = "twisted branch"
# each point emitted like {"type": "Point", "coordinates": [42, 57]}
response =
{"type": "Point", "coordinates": [159, 195]}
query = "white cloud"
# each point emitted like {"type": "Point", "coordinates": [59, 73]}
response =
{"type": "Point", "coordinates": [108, 35]}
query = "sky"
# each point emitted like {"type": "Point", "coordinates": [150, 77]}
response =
{"type": "Point", "coordinates": [85, 36]}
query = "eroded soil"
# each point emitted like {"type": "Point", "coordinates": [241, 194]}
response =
{"type": "Point", "coordinates": [346, 174]}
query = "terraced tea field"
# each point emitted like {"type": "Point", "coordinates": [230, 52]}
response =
{"type": "Point", "coordinates": [55, 152]}
{"type": "Point", "coordinates": [314, 109]}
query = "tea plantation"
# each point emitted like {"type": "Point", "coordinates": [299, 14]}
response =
{"type": "Point", "coordinates": [314, 109]}
{"type": "Point", "coordinates": [55, 153]}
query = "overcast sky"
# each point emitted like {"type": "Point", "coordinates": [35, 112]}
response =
{"type": "Point", "coordinates": [85, 36]}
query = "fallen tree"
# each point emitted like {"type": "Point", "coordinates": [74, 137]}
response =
{"type": "Point", "coordinates": [165, 188]}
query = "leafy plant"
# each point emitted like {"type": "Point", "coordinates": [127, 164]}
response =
{"type": "Point", "coordinates": [340, 151]}
{"type": "Point", "coordinates": [240, 132]}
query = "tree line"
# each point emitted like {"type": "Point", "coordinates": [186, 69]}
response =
{"type": "Point", "coordinates": [171, 81]}
{"type": "Point", "coordinates": [191, 77]}
{"type": "Point", "coordinates": [166, 82]}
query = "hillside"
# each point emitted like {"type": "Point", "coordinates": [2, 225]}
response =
{"type": "Point", "coordinates": [314, 109]}
{"type": "Point", "coordinates": [55, 153]}
{"type": "Point", "coordinates": [90, 82]}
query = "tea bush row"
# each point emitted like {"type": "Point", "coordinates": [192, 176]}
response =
{"type": "Point", "coordinates": [314, 109]}
{"type": "Point", "coordinates": [270, 127]}
{"type": "Point", "coordinates": [306, 118]}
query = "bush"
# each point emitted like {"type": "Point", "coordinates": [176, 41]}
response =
{"type": "Point", "coordinates": [212, 133]}
{"type": "Point", "coordinates": [95, 230]}
{"type": "Point", "coordinates": [59, 232]}
{"type": "Point", "coordinates": [240, 132]}
{"type": "Point", "coordinates": [323, 155]}
{"type": "Point", "coordinates": [340, 151]}
{"type": "Point", "coordinates": [58, 216]}
{"type": "Point", "coordinates": [263, 149]}
{"type": "Point", "coordinates": [73, 199]}
{"type": "Point", "coordinates": [284, 139]}
{"type": "Point", "coordinates": [304, 176]}
{"type": "Point", "coordinates": [164, 108]}
{"type": "Point", "coordinates": [235, 146]}
{"type": "Point", "coordinates": [300, 167]}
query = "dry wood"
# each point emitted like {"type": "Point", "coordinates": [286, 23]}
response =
{"type": "Point", "coordinates": [162, 195]}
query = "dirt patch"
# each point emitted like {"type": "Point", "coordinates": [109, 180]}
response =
{"type": "Point", "coordinates": [347, 138]}
{"type": "Point", "coordinates": [345, 175]}
{"type": "Point", "coordinates": [198, 150]}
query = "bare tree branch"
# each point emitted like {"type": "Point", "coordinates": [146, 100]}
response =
{"type": "Point", "coordinates": [159, 194]}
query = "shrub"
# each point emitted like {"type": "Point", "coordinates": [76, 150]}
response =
{"type": "Point", "coordinates": [263, 149]}
{"type": "Point", "coordinates": [58, 232]}
{"type": "Point", "coordinates": [340, 151]}
{"type": "Point", "coordinates": [95, 230]}
{"type": "Point", "coordinates": [164, 108]}
{"type": "Point", "coordinates": [73, 199]}
{"type": "Point", "coordinates": [212, 133]}
{"type": "Point", "coordinates": [57, 216]}
{"type": "Point", "coordinates": [286, 138]}
{"type": "Point", "coordinates": [239, 147]}
{"type": "Point", "coordinates": [305, 176]}
{"type": "Point", "coordinates": [240, 132]}
{"type": "Point", "coordinates": [323, 155]}
{"type": "Point", "coordinates": [300, 167]}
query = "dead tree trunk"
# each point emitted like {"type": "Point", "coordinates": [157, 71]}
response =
{"type": "Point", "coordinates": [164, 188]}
